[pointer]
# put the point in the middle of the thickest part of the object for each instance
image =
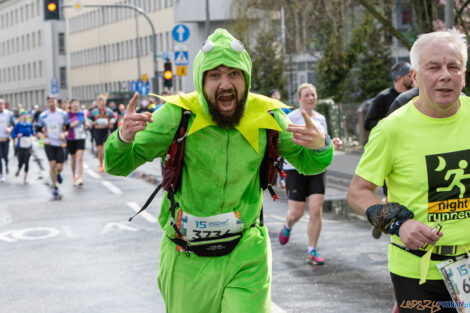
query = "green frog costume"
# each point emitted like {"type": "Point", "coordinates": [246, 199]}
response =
{"type": "Point", "coordinates": [220, 176]}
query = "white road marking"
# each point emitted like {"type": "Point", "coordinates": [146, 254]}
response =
{"type": "Point", "coordinates": [276, 309]}
{"type": "Point", "coordinates": [118, 226]}
{"type": "Point", "coordinates": [149, 217]}
{"type": "Point", "coordinates": [93, 174]}
{"type": "Point", "coordinates": [111, 187]}
{"type": "Point", "coordinates": [277, 217]}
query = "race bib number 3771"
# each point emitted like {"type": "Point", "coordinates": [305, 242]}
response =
{"type": "Point", "coordinates": [200, 228]}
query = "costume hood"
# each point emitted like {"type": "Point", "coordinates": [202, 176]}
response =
{"type": "Point", "coordinates": [221, 48]}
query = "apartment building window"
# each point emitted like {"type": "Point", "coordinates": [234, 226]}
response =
{"type": "Point", "coordinates": [33, 41]}
{"type": "Point", "coordinates": [29, 71]}
{"type": "Point", "coordinates": [40, 68]}
{"type": "Point", "coordinates": [63, 77]}
{"type": "Point", "coordinates": [26, 12]}
{"type": "Point", "coordinates": [61, 43]}
{"type": "Point", "coordinates": [21, 14]}
{"type": "Point", "coordinates": [39, 38]}
{"type": "Point", "coordinates": [28, 42]}
{"type": "Point", "coordinates": [35, 73]}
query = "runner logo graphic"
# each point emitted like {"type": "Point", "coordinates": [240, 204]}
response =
{"type": "Point", "coordinates": [449, 186]}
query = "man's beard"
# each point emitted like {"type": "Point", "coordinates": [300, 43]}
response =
{"type": "Point", "coordinates": [224, 121]}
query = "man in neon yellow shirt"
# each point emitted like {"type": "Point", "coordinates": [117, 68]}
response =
{"type": "Point", "coordinates": [418, 150]}
{"type": "Point", "coordinates": [220, 181]}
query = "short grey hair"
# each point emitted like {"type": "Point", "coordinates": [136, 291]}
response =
{"type": "Point", "coordinates": [452, 36]}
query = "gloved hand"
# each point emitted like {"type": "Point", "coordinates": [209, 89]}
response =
{"type": "Point", "coordinates": [388, 217]}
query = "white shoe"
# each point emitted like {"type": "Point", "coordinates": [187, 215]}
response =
{"type": "Point", "coordinates": [2, 179]}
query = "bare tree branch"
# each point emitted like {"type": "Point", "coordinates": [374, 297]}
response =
{"type": "Point", "coordinates": [388, 26]}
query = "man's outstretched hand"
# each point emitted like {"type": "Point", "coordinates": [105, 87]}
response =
{"type": "Point", "coordinates": [133, 122]}
{"type": "Point", "coordinates": [307, 136]}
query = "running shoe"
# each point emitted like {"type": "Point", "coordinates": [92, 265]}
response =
{"type": "Point", "coordinates": [7, 171]}
{"type": "Point", "coordinates": [74, 180]}
{"type": "Point", "coordinates": [55, 191]}
{"type": "Point", "coordinates": [80, 182]}
{"type": "Point", "coordinates": [314, 258]}
{"type": "Point", "coordinates": [2, 179]}
{"type": "Point", "coordinates": [284, 235]}
{"type": "Point", "coordinates": [101, 168]}
{"type": "Point", "coordinates": [59, 178]}
{"type": "Point", "coordinates": [17, 173]}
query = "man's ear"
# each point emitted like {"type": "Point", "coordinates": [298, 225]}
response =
{"type": "Point", "coordinates": [413, 74]}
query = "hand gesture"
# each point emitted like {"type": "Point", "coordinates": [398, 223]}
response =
{"type": "Point", "coordinates": [133, 122]}
{"type": "Point", "coordinates": [307, 136]}
{"type": "Point", "coordinates": [415, 234]}
{"type": "Point", "coordinates": [337, 143]}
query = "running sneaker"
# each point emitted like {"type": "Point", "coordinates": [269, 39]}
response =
{"type": "Point", "coordinates": [2, 179]}
{"type": "Point", "coordinates": [59, 178]}
{"type": "Point", "coordinates": [74, 180]}
{"type": "Point", "coordinates": [17, 173]}
{"type": "Point", "coordinates": [7, 171]}
{"type": "Point", "coordinates": [314, 258]}
{"type": "Point", "coordinates": [101, 168]}
{"type": "Point", "coordinates": [80, 182]}
{"type": "Point", "coordinates": [284, 235]}
{"type": "Point", "coordinates": [55, 191]}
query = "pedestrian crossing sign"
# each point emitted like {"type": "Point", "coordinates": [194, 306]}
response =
{"type": "Point", "coordinates": [181, 57]}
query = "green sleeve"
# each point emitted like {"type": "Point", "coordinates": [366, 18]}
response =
{"type": "Point", "coordinates": [305, 160]}
{"type": "Point", "coordinates": [122, 158]}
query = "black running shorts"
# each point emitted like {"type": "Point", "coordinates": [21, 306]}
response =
{"type": "Point", "coordinates": [299, 186]}
{"type": "Point", "coordinates": [54, 153]}
{"type": "Point", "coordinates": [75, 145]}
{"type": "Point", "coordinates": [415, 298]}
{"type": "Point", "coordinates": [100, 135]}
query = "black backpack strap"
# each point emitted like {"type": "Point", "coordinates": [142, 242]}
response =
{"type": "Point", "coordinates": [149, 200]}
{"type": "Point", "coordinates": [178, 139]}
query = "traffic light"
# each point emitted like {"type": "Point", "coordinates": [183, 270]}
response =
{"type": "Point", "coordinates": [51, 9]}
{"type": "Point", "coordinates": [167, 75]}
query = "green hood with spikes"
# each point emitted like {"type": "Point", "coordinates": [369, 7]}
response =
{"type": "Point", "coordinates": [221, 48]}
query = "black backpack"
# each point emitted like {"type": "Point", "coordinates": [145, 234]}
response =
{"type": "Point", "coordinates": [174, 160]}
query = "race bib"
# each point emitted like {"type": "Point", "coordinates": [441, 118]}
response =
{"type": "Point", "coordinates": [457, 279]}
{"type": "Point", "coordinates": [194, 227]}
{"type": "Point", "coordinates": [26, 142]}
{"type": "Point", "coordinates": [53, 130]}
{"type": "Point", "coordinates": [102, 121]}
{"type": "Point", "coordinates": [3, 121]}
{"type": "Point", "coordinates": [79, 132]}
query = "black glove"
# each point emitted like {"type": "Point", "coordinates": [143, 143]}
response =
{"type": "Point", "coordinates": [388, 217]}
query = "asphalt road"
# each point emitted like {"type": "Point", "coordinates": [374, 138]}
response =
{"type": "Point", "coordinates": [81, 255]}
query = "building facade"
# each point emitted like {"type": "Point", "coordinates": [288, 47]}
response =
{"type": "Point", "coordinates": [32, 54]}
{"type": "Point", "coordinates": [110, 49]}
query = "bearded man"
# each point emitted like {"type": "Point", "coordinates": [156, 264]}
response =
{"type": "Point", "coordinates": [220, 185]}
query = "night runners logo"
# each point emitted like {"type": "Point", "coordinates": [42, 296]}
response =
{"type": "Point", "coordinates": [449, 186]}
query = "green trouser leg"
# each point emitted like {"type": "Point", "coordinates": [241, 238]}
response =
{"type": "Point", "coordinates": [236, 283]}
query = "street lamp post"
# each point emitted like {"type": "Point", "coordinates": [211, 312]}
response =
{"type": "Point", "coordinates": [139, 10]}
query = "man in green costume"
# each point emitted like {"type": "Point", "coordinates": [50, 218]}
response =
{"type": "Point", "coordinates": [220, 185]}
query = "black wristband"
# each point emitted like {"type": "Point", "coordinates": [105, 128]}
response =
{"type": "Point", "coordinates": [388, 217]}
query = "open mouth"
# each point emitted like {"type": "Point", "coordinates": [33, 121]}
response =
{"type": "Point", "coordinates": [226, 101]}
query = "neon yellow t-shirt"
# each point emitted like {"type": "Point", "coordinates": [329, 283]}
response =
{"type": "Point", "coordinates": [425, 162]}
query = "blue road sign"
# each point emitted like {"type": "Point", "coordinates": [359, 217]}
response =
{"type": "Point", "coordinates": [54, 86]}
{"type": "Point", "coordinates": [181, 57]}
{"type": "Point", "coordinates": [133, 86]}
{"type": "Point", "coordinates": [180, 33]}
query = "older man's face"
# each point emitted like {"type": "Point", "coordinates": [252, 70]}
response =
{"type": "Point", "coordinates": [225, 91]}
{"type": "Point", "coordinates": [440, 77]}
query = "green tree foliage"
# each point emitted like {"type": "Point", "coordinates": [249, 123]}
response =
{"type": "Point", "coordinates": [268, 64]}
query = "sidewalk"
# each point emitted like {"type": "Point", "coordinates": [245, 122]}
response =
{"type": "Point", "coordinates": [340, 172]}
